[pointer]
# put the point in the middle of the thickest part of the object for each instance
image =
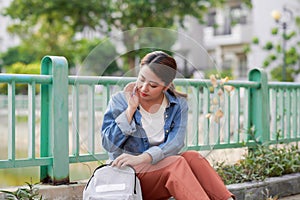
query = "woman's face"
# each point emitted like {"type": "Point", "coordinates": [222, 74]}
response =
{"type": "Point", "coordinates": [150, 86]}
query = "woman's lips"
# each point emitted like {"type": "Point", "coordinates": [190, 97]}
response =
{"type": "Point", "coordinates": [143, 94]}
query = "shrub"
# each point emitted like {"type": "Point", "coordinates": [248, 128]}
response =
{"type": "Point", "coordinates": [30, 193]}
{"type": "Point", "coordinates": [262, 162]}
{"type": "Point", "coordinates": [21, 68]}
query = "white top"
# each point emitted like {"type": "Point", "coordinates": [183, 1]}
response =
{"type": "Point", "coordinates": [153, 123]}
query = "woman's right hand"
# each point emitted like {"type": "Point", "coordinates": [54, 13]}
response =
{"type": "Point", "coordinates": [132, 97]}
{"type": "Point", "coordinates": [131, 93]}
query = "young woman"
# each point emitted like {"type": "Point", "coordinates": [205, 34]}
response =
{"type": "Point", "coordinates": [145, 126]}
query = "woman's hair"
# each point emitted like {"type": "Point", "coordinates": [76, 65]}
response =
{"type": "Point", "coordinates": [164, 66]}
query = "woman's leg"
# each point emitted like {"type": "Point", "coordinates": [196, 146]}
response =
{"type": "Point", "coordinates": [207, 176]}
{"type": "Point", "coordinates": [170, 177]}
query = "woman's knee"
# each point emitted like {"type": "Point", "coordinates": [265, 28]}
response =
{"type": "Point", "coordinates": [189, 155]}
{"type": "Point", "coordinates": [175, 163]}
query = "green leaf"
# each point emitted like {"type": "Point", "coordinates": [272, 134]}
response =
{"type": "Point", "coordinates": [268, 46]}
{"type": "Point", "coordinates": [255, 40]}
{"type": "Point", "coordinates": [272, 57]}
{"type": "Point", "coordinates": [266, 63]}
{"type": "Point", "coordinates": [274, 31]}
{"type": "Point", "coordinates": [291, 35]}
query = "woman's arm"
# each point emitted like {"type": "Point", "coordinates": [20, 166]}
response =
{"type": "Point", "coordinates": [116, 127]}
{"type": "Point", "coordinates": [117, 120]}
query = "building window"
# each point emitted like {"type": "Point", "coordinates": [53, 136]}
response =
{"type": "Point", "coordinates": [223, 20]}
{"type": "Point", "coordinates": [238, 15]}
{"type": "Point", "coordinates": [242, 66]}
{"type": "Point", "coordinates": [211, 18]}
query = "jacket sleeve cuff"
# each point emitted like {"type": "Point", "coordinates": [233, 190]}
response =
{"type": "Point", "coordinates": [123, 124]}
{"type": "Point", "coordinates": [156, 153]}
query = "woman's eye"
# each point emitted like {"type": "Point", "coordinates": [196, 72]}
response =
{"type": "Point", "coordinates": [153, 86]}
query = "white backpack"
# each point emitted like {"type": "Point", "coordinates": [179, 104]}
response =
{"type": "Point", "coordinates": [112, 183]}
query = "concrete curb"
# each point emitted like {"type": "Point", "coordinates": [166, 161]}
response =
{"type": "Point", "coordinates": [283, 186]}
{"type": "Point", "coordinates": [59, 192]}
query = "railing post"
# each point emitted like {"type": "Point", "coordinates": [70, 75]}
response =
{"type": "Point", "coordinates": [54, 121]}
{"type": "Point", "coordinates": [259, 105]}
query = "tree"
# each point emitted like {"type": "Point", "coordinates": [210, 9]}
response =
{"type": "Point", "coordinates": [17, 54]}
{"type": "Point", "coordinates": [131, 17]}
{"type": "Point", "coordinates": [98, 57]}
{"type": "Point", "coordinates": [274, 59]}
{"type": "Point", "coordinates": [50, 27]}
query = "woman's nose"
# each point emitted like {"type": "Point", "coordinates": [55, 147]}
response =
{"type": "Point", "coordinates": [144, 87]}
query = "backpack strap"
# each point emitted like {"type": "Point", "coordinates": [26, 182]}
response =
{"type": "Point", "coordinates": [135, 192]}
{"type": "Point", "coordinates": [103, 165]}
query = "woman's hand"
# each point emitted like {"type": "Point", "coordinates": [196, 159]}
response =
{"type": "Point", "coordinates": [132, 96]}
{"type": "Point", "coordinates": [127, 159]}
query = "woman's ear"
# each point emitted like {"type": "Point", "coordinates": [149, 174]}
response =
{"type": "Point", "coordinates": [167, 87]}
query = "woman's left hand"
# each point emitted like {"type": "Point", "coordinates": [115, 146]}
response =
{"type": "Point", "coordinates": [127, 159]}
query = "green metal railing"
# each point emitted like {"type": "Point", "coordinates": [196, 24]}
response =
{"type": "Point", "coordinates": [69, 134]}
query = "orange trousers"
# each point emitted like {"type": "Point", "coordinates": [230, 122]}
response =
{"type": "Point", "coordinates": [188, 176]}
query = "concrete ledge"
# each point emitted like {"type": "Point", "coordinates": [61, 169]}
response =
{"type": "Point", "coordinates": [63, 192]}
{"type": "Point", "coordinates": [60, 192]}
{"type": "Point", "coordinates": [283, 186]}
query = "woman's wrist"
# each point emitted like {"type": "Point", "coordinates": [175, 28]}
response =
{"type": "Point", "coordinates": [146, 157]}
{"type": "Point", "coordinates": [129, 113]}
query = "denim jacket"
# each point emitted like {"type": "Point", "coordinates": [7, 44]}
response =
{"type": "Point", "coordinates": [119, 136]}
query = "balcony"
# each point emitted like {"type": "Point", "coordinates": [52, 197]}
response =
{"type": "Point", "coordinates": [238, 34]}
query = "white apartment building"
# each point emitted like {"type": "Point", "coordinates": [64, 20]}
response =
{"type": "Point", "coordinates": [228, 31]}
